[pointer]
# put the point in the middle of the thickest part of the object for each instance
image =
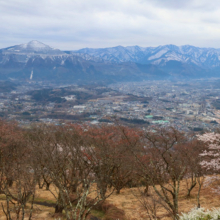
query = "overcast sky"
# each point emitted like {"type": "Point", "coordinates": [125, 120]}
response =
{"type": "Point", "coordinates": [74, 24]}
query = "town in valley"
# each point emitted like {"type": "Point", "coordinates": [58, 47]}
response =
{"type": "Point", "coordinates": [192, 105]}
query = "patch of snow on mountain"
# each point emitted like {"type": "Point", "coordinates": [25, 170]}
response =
{"type": "Point", "coordinates": [202, 59]}
{"type": "Point", "coordinates": [158, 55]}
{"type": "Point", "coordinates": [157, 62]}
{"type": "Point", "coordinates": [31, 76]}
{"type": "Point", "coordinates": [193, 61]}
{"type": "Point", "coordinates": [173, 58]}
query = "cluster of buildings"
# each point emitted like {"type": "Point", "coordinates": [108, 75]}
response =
{"type": "Point", "coordinates": [188, 106]}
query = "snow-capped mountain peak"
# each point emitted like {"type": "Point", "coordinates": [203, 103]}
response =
{"type": "Point", "coordinates": [35, 45]}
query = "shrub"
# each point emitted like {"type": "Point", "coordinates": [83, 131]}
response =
{"type": "Point", "coordinates": [201, 214]}
{"type": "Point", "coordinates": [111, 211]}
{"type": "Point", "coordinates": [114, 213]}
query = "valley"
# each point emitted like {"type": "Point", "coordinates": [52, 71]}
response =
{"type": "Point", "coordinates": [187, 106]}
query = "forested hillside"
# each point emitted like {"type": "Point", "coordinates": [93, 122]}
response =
{"type": "Point", "coordinates": [83, 170]}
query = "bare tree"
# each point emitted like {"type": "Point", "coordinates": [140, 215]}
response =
{"type": "Point", "coordinates": [161, 165]}
{"type": "Point", "coordinates": [190, 153]}
{"type": "Point", "coordinates": [112, 160]}
{"type": "Point", "coordinates": [150, 202]}
{"type": "Point", "coordinates": [65, 156]}
{"type": "Point", "coordinates": [16, 166]}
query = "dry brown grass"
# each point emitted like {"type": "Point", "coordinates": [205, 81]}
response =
{"type": "Point", "coordinates": [128, 202]}
{"type": "Point", "coordinates": [40, 212]}
{"type": "Point", "coordinates": [103, 211]}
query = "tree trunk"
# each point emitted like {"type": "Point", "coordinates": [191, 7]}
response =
{"type": "Point", "coordinates": [118, 191]}
{"type": "Point", "coordinates": [198, 196]}
{"type": "Point", "coordinates": [59, 206]}
{"type": "Point", "coordinates": [200, 182]}
{"type": "Point", "coordinates": [39, 184]}
{"type": "Point", "coordinates": [47, 186]}
{"type": "Point", "coordinates": [103, 188]}
{"type": "Point", "coordinates": [146, 190]}
{"type": "Point", "coordinates": [9, 182]}
{"type": "Point", "coordinates": [190, 189]}
{"type": "Point", "coordinates": [74, 187]}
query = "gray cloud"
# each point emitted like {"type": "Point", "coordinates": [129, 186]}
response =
{"type": "Point", "coordinates": [73, 24]}
{"type": "Point", "coordinates": [171, 3]}
{"type": "Point", "coordinates": [198, 5]}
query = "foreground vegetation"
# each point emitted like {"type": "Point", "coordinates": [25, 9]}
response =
{"type": "Point", "coordinates": [84, 167]}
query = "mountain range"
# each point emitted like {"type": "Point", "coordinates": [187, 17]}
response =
{"type": "Point", "coordinates": [39, 62]}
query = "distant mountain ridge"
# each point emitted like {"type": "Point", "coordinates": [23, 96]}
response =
{"type": "Point", "coordinates": [207, 57]}
{"type": "Point", "coordinates": [37, 61]}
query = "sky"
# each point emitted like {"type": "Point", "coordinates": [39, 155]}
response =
{"type": "Point", "coordinates": [75, 24]}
